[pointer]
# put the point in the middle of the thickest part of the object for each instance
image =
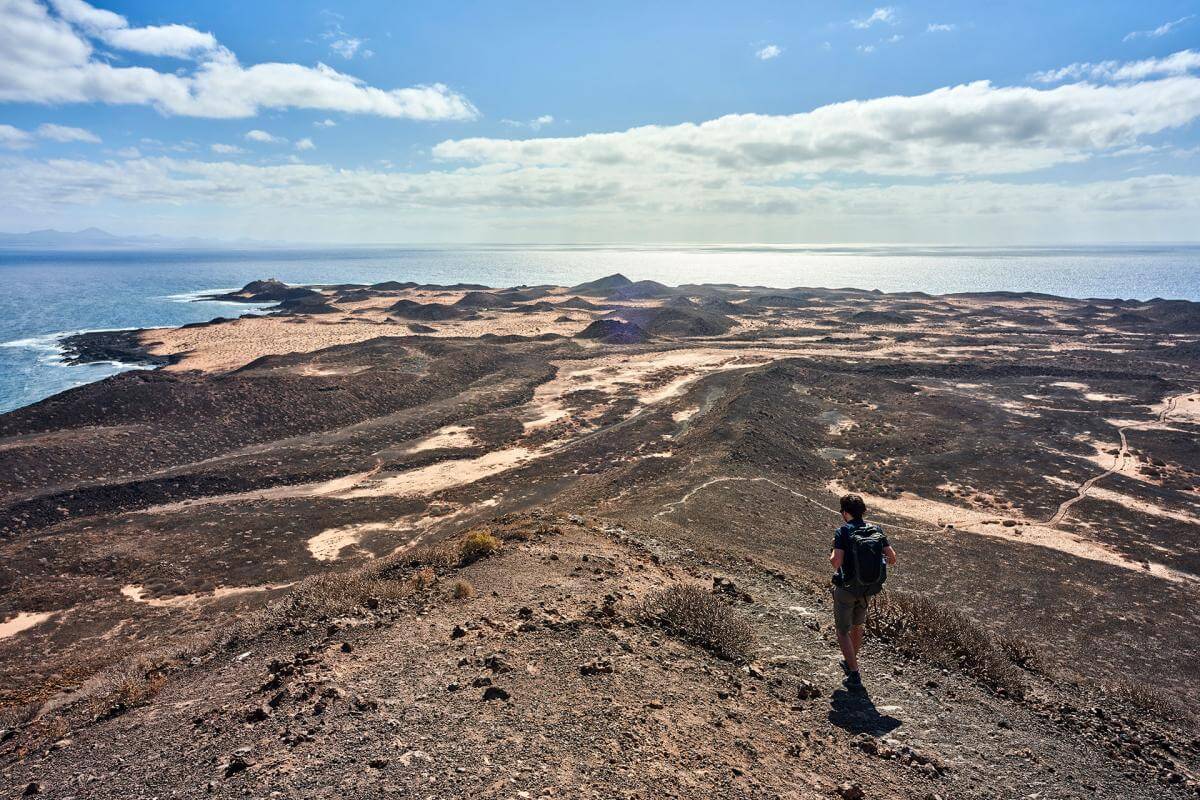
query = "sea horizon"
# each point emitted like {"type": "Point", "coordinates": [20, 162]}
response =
{"type": "Point", "coordinates": [52, 293]}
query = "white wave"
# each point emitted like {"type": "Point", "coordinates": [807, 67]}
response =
{"type": "Point", "coordinates": [202, 295]}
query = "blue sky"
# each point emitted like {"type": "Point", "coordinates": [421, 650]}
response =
{"type": "Point", "coordinates": [655, 122]}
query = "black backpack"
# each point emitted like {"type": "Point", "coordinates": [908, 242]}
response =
{"type": "Point", "coordinates": [868, 569]}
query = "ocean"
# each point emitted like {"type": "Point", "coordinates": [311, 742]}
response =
{"type": "Point", "coordinates": [49, 294]}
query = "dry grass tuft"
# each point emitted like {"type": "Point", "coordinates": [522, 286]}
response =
{"type": "Point", "coordinates": [924, 628]}
{"type": "Point", "coordinates": [424, 578]}
{"type": "Point", "coordinates": [691, 612]}
{"type": "Point", "coordinates": [462, 590]}
{"type": "Point", "coordinates": [477, 545]}
{"type": "Point", "coordinates": [127, 686]}
{"type": "Point", "coordinates": [1141, 699]}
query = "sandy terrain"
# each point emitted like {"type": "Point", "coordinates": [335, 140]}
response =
{"type": "Point", "coordinates": [1032, 459]}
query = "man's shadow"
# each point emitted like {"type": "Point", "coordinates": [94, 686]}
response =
{"type": "Point", "coordinates": [854, 712]}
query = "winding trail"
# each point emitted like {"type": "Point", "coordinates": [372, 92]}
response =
{"type": "Point", "coordinates": [1120, 461]}
{"type": "Point", "coordinates": [1034, 532]}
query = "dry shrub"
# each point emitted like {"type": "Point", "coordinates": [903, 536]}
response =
{"type": "Point", "coordinates": [462, 590]}
{"type": "Point", "coordinates": [691, 612]}
{"type": "Point", "coordinates": [926, 629]}
{"type": "Point", "coordinates": [477, 545]}
{"type": "Point", "coordinates": [128, 685]}
{"type": "Point", "coordinates": [1141, 699]}
{"type": "Point", "coordinates": [424, 578]}
{"type": "Point", "coordinates": [17, 714]}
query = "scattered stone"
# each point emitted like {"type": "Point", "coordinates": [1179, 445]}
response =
{"type": "Point", "coordinates": [258, 713]}
{"type": "Point", "coordinates": [850, 791]}
{"type": "Point", "coordinates": [458, 632]}
{"type": "Point", "coordinates": [238, 762]}
{"type": "Point", "coordinates": [347, 647]}
{"type": "Point", "coordinates": [495, 693]}
{"type": "Point", "coordinates": [807, 690]}
{"type": "Point", "coordinates": [377, 763]}
{"type": "Point", "coordinates": [597, 666]}
{"type": "Point", "coordinates": [34, 788]}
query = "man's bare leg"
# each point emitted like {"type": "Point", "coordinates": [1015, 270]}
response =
{"type": "Point", "coordinates": [856, 637]}
{"type": "Point", "coordinates": [849, 651]}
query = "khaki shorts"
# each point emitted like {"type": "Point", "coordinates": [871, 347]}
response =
{"type": "Point", "coordinates": [848, 610]}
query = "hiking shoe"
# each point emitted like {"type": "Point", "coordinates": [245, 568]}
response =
{"type": "Point", "coordinates": [853, 681]}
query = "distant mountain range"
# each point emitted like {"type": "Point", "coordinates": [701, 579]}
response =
{"type": "Point", "coordinates": [95, 238]}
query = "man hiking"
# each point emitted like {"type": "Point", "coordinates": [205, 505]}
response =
{"type": "Point", "coordinates": [860, 550]}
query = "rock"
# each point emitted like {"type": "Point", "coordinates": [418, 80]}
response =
{"type": "Point", "coordinates": [495, 693]}
{"type": "Point", "coordinates": [850, 791]}
{"type": "Point", "coordinates": [807, 690]}
{"type": "Point", "coordinates": [458, 632]}
{"type": "Point", "coordinates": [496, 664]}
{"type": "Point", "coordinates": [238, 762]}
{"type": "Point", "coordinates": [258, 713]}
{"type": "Point", "coordinates": [597, 666]}
{"type": "Point", "coordinates": [347, 647]}
{"type": "Point", "coordinates": [34, 787]}
{"type": "Point", "coordinates": [377, 763]}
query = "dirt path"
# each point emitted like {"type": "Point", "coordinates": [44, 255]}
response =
{"type": "Point", "coordinates": [1120, 461]}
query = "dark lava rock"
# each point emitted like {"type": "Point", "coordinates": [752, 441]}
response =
{"type": "Point", "coordinates": [602, 286]}
{"type": "Point", "coordinates": [409, 309]}
{"type": "Point", "coordinates": [674, 321]}
{"type": "Point", "coordinates": [495, 693]}
{"type": "Point", "coordinates": [597, 666]}
{"type": "Point", "coordinates": [882, 317]}
{"type": "Point", "coordinates": [614, 331]}
{"type": "Point", "coordinates": [850, 791]}
{"type": "Point", "coordinates": [483, 300]}
{"type": "Point", "coordinates": [417, 327]}
{"type": "Point", "coordinates": [124, 347]}
{"type": "Point", "coordinates": [392, 286]}
{"type": "Point", "coordinates": [641, 290]}
{"type": "Point", "coordinates": [579, 303]}
{"type": "Point", "coordinates": [807, 690]}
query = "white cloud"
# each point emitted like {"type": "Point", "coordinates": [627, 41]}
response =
{"type": "Point", "coordinates": [226, 149]}
{"type": "Point", "coordinates": [346, 48]}
{"type": "Point", "coordinates": [14, 138]}
{"type": "Point", "coordinates": [967, 154]}
{"type": "Point", "coordinates": [113, 29]}
{"type": "Point", "coordinates": [64, 133]}
{"type": "Point", "coordinates": [1180, 63]}
{"type": "Point", "coordinates": [769, 52]}
{"type": "Point", "coordinates": [885, 14]}
{"type": "Point", "coordinates": [940, 27]}
{"type": "Point", "coordinates": [974, 128]}
{"type": "Point", "coordinates": [325, 123]}
{"type": "Point", "coordinates": [1161, 30]}
{"type": "Point", "coordinates": [534, 124]}
{"type": "Point", "coordinates": [865, 48]}
{"type": "Point", "coordinates": [305, 144]}
{"type": "Point", "coordinates": [262, 137]}
{"type": "Point", "coordinates": [129, 152]}
{"type": "Point", "coordinates": [48, 59]}
{"type": "Point", "coordinates": [895, 37]}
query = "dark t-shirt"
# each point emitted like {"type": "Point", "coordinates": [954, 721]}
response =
{"type": "Point", "coordinates": [841, 541]}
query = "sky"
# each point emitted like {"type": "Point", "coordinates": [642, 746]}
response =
{"type": "Point", "coordinates": [539, 122]}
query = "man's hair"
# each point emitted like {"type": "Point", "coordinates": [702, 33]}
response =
{"type": "Point", "coordinates": [853, 505]}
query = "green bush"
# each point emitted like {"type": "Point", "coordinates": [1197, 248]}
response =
{"type": "Point", "coordinates": [477, 545]}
